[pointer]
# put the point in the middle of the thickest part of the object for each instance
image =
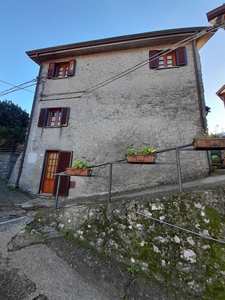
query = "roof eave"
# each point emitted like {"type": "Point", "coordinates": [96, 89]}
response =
{"type": "Point", "coordinates": [214, 14]}
{"type": "Point", "coordinates": [220, 92]}
{"type": "Point", "coordinates": [115, 43]}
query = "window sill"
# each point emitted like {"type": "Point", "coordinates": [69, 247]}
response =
{"type": "Point", "coordinates": [53, 126]}
{"type": "Point", "coordinates": [55, 78]}
{"type": "Point", "coordinates": [167, 68]}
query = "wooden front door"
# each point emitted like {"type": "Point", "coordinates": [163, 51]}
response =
{"type": "Point", "coordinates": [56, 162]}
{"type": "Point", "coordinates": [50, 169]}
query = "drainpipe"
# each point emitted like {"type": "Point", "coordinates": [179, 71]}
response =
{"type": "Point", "coordinates": [200, 101]}
{"type": "Point", "coordinates": [28, 133]}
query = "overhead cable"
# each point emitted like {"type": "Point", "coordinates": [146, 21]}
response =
{"type": "Point", "coordinates": [15, 88]}
{"type": "Point", "coordinates": [162, 52]}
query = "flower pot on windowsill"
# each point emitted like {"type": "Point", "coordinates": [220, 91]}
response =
{"type": "Point", "coordinates": [208, 143]}
{"type": "Point", "coordinates": [78, 172]}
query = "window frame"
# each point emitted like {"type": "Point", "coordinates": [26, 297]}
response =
{"type": "Point", "coordinates": [166, 59]}
{"type": "Point", "coordinates": [53, 69]}
{"type": "Point", "coordinates": [56, 119]}
{"type": "Point", "coordinates": [62, 70]}
{"type": "Point", "coordinates": [45, 118]}
{"type": "Point", "coordinates": [179, 58]}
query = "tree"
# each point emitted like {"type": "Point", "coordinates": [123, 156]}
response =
{"type": "Point", "coordinates": [13, 123]}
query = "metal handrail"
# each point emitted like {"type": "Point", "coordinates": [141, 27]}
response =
{"type": "Point", "coordinates": [177, 163]}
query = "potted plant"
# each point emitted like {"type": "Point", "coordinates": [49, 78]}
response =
{"type": "Point", "coordinates": [215, 159]}
{"type": "Point", "coordinates": [79, 168]}
{"type": "Point", "coordinates": [146, 155]}
{"type": "Point", "coordinates": [207, 142]}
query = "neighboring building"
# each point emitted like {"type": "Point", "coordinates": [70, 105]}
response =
{"type": "Point", "coordinates": [217, 16]}
{"type": "Point", "coordinates": [94, 99]}
{"type": "Point", "coordinates": [221, 94]}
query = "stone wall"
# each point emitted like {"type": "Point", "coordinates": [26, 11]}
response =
{"type": "Point", "coordinates": [7, 162]}
{"type": "Point", "coordinates": [191, 265]}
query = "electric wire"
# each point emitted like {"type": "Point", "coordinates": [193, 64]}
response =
{"type": "Point", "coordinates": [15, 88]}
{"type": "Point", "coordinates": [181, 228]}
{"type": "Point", "coordinates": [208, 29]}
{"type": "Point", "coordinates": [162, 52]}
{"type": "Point", "coordinates": [127, 71]}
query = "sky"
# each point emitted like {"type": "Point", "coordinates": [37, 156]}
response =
{"type": "Point", "coordinates": [34, 24]}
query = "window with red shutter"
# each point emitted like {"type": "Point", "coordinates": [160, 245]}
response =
{"type": "Point", "coordinates": [53, 117]}
{"type": "Point", "coordinates": [181, 57]}
{"type": "Point", "coordinates": [172, 59]}
{"type": "Point", "coordinates": [153, 59]}
{"type": "Point", "coordinates": [62, 69]}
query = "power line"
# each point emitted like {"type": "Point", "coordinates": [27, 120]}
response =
{"type": "Point", "coordinates": [147, 61]}
{"type": "Point", "coordinates": [15, 88]}
{"type": "Point", "coordinates": [163, 52]}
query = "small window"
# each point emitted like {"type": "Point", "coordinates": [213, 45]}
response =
{"type": "Point", "coordinates": [172, 59]}
{"type": "Point", "coordinates": [53, 117]}
{"type": "Point", "coordinates": [167, 60]}
{"type": "Point", "coordinates": [61, 70]}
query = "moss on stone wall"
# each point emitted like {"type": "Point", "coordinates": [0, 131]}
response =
{"type": "Point", "coordinates": [191, 265]}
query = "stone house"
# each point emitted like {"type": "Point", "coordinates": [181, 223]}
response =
{"type": "Point", "coordinates": [95, 99]}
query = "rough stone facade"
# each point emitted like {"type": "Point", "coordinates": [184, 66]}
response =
{"type": "Point", "coordinates": [156, 107]}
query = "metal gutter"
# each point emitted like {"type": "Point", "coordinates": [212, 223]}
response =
{"type": "Point", "coordinates": [112, 42]}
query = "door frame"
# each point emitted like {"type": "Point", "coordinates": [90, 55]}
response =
{"type": "Point", "coordinates": [56, 177]}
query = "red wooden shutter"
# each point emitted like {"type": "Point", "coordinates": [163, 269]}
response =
{"type": "Point", "coordinates": [43, 117]}
{"type": "Point", "coordinates": [51, 70]}
{"type": "Point", "coordinates": [155, 62]}
{"type": "Point", "coordinates": [65, 116]}
{"type": "Point", "coordinates": [71, 69]}
{"type": "Point", "coordinates": [181, 57]}
{"type": "Point", "coordinates": [64, 161]}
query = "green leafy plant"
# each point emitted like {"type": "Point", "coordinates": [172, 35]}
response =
{"type": "Point", "coordinates": [79, 164]}
{"type": "Point", "coordinates": [215, 159]}
{"type": "Point", "coordinates": [134, 269]}
{"type": "Point", "coordinates": [144, 150]}
{"type": "Point", "coordinates": [207, 135]}
{"type": "Point", "coordinates": [68, 234]}
{"type": "Point", "coordinates": [147, 150]}
{"type": "Point", "coordinates": [131, 151]}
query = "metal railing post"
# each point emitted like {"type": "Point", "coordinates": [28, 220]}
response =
{"type": "Point", "coordinates": [57, 192]}
{"type": "Point", "coordinates": [179, 169]}
{"type": "Point", "coordinates": [110, 183]}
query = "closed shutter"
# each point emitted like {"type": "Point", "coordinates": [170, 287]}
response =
{"type": "Point", "coordinates": [51, 70]}
{"type": "Point", "coordinates": [64, 161]}
{"type": "Point", "coordinates": [43, 116]}
{"type": "Point", "coordinates": [155, 62]}
{"type": "Point", "coordinates": [71, 69]}
{"type": "Point", "coordinates": [65, 116]}
{"type": "Point", "coordinates": [181, 57]}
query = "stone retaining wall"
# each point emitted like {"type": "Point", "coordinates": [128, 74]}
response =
{"type": "Point", "coordinates": [7, 162]}
{"type": "Point", "coordinates": [189, 265]}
